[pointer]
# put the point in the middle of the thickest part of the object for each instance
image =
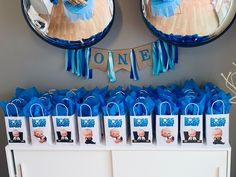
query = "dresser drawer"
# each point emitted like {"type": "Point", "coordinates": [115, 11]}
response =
{"type": "Point", "coordinates": [63, 163]}
{"type": "Point", "coordinates": [169, 163]}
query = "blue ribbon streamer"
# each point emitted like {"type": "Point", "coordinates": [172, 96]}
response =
{"type": "Point", "coordinates": [172, 56]}
{"type": "Point", "coordinates": [78, 63]}
{"type": "Point", "coordinates": [134, 71]}
{"type": "Point", "coordinates": [83, 62]}
{"type": "Point", "coordinates": [68, 58]}
{"type": "Point", "coordinates": [160, 58]}
{"type": "Point", "coordinates": [165, 57]}
{"type": "Point", "coordinates": [110, 67]}
{"type": "Point", "coordinates": [73, 61]}
{"type": "Point", "coordinates": [154, 59]}
{"type": "Point", "coordinates": [88, 71]}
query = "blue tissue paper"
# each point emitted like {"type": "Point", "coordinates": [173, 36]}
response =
{"type": "Point", "coordinates": [218, 101]}
{"type": "Point", "coordinates": [40, 108]}
{"type": "Point", "coordinates": [65, 107]}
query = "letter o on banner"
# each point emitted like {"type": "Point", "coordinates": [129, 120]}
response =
{"type": "Point", "coordinates": [98, 58]}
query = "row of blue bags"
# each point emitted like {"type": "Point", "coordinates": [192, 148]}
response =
{"type": "Point", "coordinates": [116, 110]}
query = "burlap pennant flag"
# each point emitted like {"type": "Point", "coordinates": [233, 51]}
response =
{"type": "Point", "coordinates": [122, 59]}
{"type": "Point", "coordinates": [99, 59]}
{"type": "Point", "coordinates": [144, 56]}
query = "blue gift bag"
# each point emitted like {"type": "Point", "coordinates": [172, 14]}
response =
{"type": "Point", "coordinates": [89, 126]}
{"type": "Point", "coordinates": [115, 126]}
{"type": "Point", "coordinates": [141, 126]}
{"type": "Point", "coordinates": [64, 125]}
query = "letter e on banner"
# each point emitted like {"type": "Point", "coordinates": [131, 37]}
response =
{"type": "Point", "coordinates": [144, 56]}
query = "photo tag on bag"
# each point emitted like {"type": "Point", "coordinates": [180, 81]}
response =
{"type": "Point", "coordinates": [15, 130]}
{"type": "Point", "coordinates": [217, 127]}
{"type": "Point", "coordinates": [141, 127]}
{"type": "Point", "coordinates": [64, 130]}
{"type": "Point", "coordinates": [192, 130]}
{"type": "Point", "coordinates": [166, 127]}
{"type": "Point", "coordinates": [115, 130]}
{"type": "Point", "coordinates": [64, 127]}
{"type": "Point", "coordinates": [89, 128]}
{"type": "Point", "coordinates": [16, 127]}
{"type": "Point", "coordinates": [192, 127]}
{"type": "Point", "coordinates": [41, 130]}
{"type": "Point", "coordinates": [115, 127]}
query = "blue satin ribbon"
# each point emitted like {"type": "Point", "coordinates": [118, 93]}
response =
{"type": "Point", "coordinates": [172, 56]}
{"type": "Point", "coordinates": [154, 59]}
{"type": "Point", "coordinates": [165, 52]}
{"type": "Point", "coordinates": [68, 58]}
{"type": "Point", "coordinates": [134, 70]}
{"type": "Point", "coordinates": [78, 63]}
{"type": "Point", "coordinates": [160, 58]}
{"type": "Point", "coordinates": [73, 62]}
{"type": "Point", "coordinates": [88, 71]}
{"type": "Point", "coordinates": [110, 67]}
{"type": "Point", "coordinates": [83, 62]}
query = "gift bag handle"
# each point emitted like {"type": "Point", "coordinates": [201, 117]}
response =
{"type": "Point", "coordinates": [140, 91]}
{"type": "Point", "coordinates": [90, 97]}
{"type": "Point", "coordinates": [45, 94]}
{"type": "Point", "coordinates": [139, 103]}
{"type": "Point", "coordinates": [51, 90]}
{"type": "Point", "coordinates": [198, 109]}
{"type": "Point", "coordinates": [36, 104]}
{"type": "Point", "coordinates": [65, 99]}
{"type": "Point", "coordinates": [63, 105]}
{"type": "Point", "coordinates": [191, 96]}
{"type": "Point", "coordinates": [43, 98]}
{"type": "Point", "coordinates": [141, 98]}
{"type": "Point", "coordinates": [17, 100]}
{"type": "Point", "coordinates": [166, 102]}
{"type": "Point", "coordinates": [213, 104]}
{"type": "Point", "coordinates": [118, 108]}
{"type": "Point", "coordinates": [90, 109]}
{"type": "Point", "coordinates": [17, 112]}
{"type": "Point", "coordinates": [73, 91]}
{"type": "Point", "coordinates": [190, 91]}
{"type": "Point", "coordinates": [123, 93]}
{"type": "Point", "coordinates": [21, 99]}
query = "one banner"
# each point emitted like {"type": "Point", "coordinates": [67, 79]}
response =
{"type": "Point", "coordinates": [159, 55]}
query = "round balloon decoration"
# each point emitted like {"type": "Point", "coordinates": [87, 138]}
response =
{"type": "Point", "coordinates": [70, 24]}
{"type": "Point", "coordinates": [188, 23]}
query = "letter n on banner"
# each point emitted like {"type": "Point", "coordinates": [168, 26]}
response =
{"type": "Point", "coordinates": [144, 56]}
{"type": "Point", "coordinates": [122, 59]}
{"type": "Point", "coordinates": [99, 59]}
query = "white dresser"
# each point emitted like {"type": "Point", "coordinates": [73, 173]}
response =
{"type": "Point", "coordinates": [67, 161]}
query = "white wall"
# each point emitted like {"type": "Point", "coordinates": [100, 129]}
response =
{"type": "Point", "coordinates": [26, 60]}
